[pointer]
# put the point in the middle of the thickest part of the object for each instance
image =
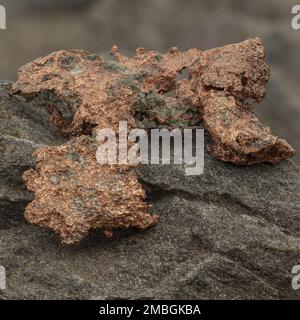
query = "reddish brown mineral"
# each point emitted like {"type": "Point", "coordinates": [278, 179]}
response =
{"type": "Point", "coordinates": [224, 80]}
{"type": "Point", "coordinates": [83, 91]}
{"type": "Point", "coordinates": [74, 194]}
{"type": "Point", "coordinates": [83, 94]}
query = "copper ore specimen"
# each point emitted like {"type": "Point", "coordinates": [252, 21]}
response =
{"type": "Point", "coordinates": [74, 194]}
{"type": "Point", "coordinates": [82, 92]}
{"type": "Point", "coordinates": [224, 80]}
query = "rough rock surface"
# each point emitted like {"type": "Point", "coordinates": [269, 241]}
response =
{"type": "Point", "coordinates": [23, 129]}
{"type": "Point", "coordinates": [232, 233]}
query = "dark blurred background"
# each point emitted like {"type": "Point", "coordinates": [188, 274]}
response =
{"type": "Point", "coordinates": [38, 27]}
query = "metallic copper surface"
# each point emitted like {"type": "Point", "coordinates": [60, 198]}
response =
{"type": "Point", "coordinates": [215, 89]}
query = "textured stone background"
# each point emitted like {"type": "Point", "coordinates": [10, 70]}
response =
{"type": "Point", "coordinates": [37, 27]}
{"type": "Point", "coordinates": [231, 233]}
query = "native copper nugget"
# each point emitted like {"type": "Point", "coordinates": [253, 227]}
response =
{"type": "Point", "coordinates": [214, 89]}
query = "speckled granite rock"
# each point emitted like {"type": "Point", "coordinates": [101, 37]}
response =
{"type": "Point", "coordinates": [232, 233]}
